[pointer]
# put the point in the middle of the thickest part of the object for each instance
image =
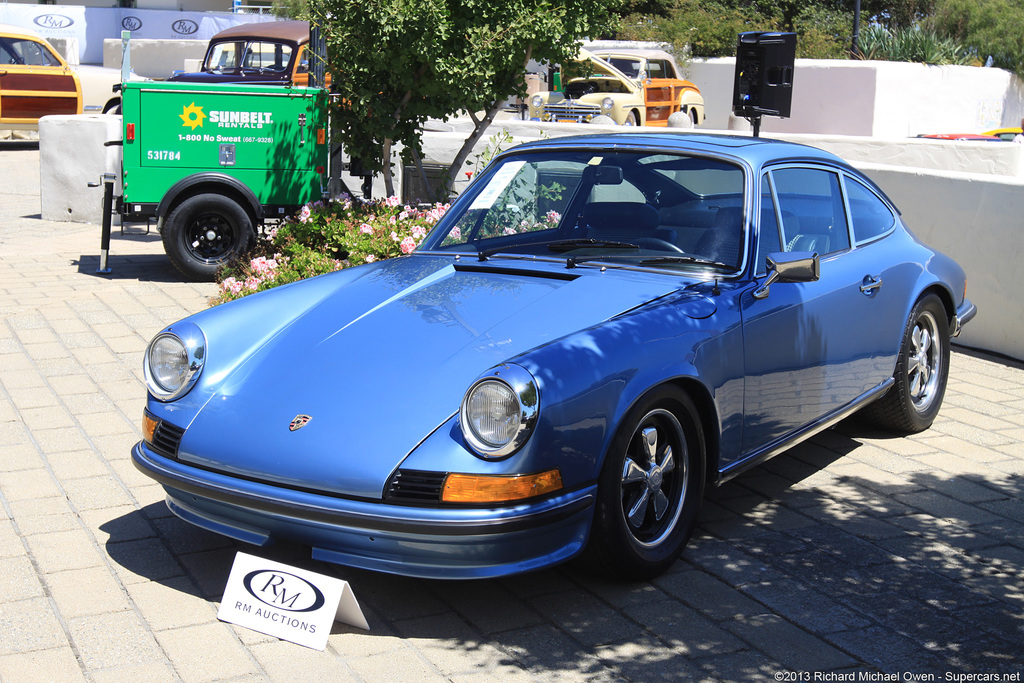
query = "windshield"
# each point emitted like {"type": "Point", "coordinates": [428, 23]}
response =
{"type": "Point", "coordinates": [674, 210]}
{"type": "Point", "coordinates": [256, 55]}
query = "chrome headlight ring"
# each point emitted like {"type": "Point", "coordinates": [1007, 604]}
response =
{"type": "Point", "coordinates": [499, 411]}
{"type": "Point", "coordinates": [607, 104]}
{"type": "Point", "coordinates": [537, 101]}
{"type": "Point", "coordinates": [174, 361]}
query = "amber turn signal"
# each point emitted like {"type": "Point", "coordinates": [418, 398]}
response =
{"type": "Point", "coordinates": [149, 424]}
{"type": "Point", "coordinates": [477, 488]}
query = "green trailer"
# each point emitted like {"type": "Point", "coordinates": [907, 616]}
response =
{"type": "Point", "coordinates": [211, 162]}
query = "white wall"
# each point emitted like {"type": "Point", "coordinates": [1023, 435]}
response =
{"type": "Point", "coordinates": [885, 99]}
{"type": "Point", "coordinates": [155, 58]}
{"type": "Point", "coordinates": [92, 25]}
{"type": "Point", "coordinates": [976, 219]}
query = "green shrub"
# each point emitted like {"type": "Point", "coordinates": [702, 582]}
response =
{"type": "Point", "coordinates": [912, 45]}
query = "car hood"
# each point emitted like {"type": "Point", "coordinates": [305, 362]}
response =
{"type": "Point", "coordinates": [382, 363]}
{"type": "Point", "coordinates": [229, 77]}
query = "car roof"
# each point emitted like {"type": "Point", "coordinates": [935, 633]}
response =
{"type": "Point", "coordinates": [758, 151]}
{"type": "Point", "coordinates": [292, 30]}
{"type": "Point", "coordinates": [632, 52]}
{"type": "Point", "coordinates": [20, 31]}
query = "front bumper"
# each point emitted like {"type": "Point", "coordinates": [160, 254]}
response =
{"type": "Point", "coordinates": [964, 314]}
{"type": "Point", "coordinates": [426, 542]}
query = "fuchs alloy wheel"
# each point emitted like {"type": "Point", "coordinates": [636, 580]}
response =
{"type": "Point", "coordinates": [650, 488]}
{"type": "Point", "coordinates": [922, 369]}
{"type": "Point", "coordinates": [205, 232]}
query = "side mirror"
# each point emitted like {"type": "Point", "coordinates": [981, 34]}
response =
{"type": "Point", "coordinates": [792, 266]}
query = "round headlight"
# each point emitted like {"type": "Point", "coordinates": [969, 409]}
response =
{"type": "Point", "coordinates": [499, 411]}
{"type": "Point", "coordinates": [607, 104]}
{"type": "Point", "coordinates": [174, 360]}
{"type": "Point", "coordinates": [537, 101]}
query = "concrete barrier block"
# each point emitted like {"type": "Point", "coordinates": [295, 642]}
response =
{"type": "Point", "coordinates": [72, 155]}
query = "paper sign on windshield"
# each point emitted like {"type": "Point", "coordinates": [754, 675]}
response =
{"type": "Point", "coordinates": [497, 184]}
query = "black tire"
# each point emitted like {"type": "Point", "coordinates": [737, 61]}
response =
{"type": "Point", "coordinates": [922, 369]}
{"type": "Point", "coordinates": [205, 232]}
{"type": "Point", "coordinates": [650, 488]}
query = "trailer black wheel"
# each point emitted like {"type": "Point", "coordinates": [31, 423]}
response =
{"type": "Point", "coordinates": [205, 232]}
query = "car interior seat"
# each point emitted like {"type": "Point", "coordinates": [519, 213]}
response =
{"type": "Point", "coordinates": [623, 221]}
{"type": "Point", "coordinates": [722, 241]}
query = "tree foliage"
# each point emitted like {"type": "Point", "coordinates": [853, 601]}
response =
{"type": "Point", "coordinates": [396, 63]}
{"type": "Point", "coordinates": [990, 28]}
{"type": "Point", "coordinates": [708, 28]}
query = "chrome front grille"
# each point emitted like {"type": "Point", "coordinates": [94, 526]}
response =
{"type": "Point", "coordinates": [569, 110]}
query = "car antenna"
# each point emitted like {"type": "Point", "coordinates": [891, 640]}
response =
{"type": "Point", "coordinates": [715, 291]}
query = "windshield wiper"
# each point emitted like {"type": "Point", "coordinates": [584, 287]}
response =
{"type": "Point", "coordinates": [684, 259]}
{"type": "Point", "coordinates": [569, 245]}
{"type": "Point", "coordinates": [563, 245]}
{"type": "Point", "coordinates": [574, 261]}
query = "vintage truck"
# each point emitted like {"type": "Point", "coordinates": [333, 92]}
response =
{"type": "Point", "coordinates": [212, 162]}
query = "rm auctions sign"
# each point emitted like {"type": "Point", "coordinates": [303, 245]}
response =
{"type": "Point", "coordinates": [287, 602]}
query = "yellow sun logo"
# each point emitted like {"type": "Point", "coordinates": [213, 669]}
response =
{"type": "Point", "coordinates": [193, 116]}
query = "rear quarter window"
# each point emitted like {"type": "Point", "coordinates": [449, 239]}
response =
{"type": "Point", "coordinates": [870, 216]}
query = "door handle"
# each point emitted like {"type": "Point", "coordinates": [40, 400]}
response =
{"type": "Point", "coordinates": [871, 283]}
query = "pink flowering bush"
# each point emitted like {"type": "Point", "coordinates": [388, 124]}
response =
{"type": "Point", "coordinates": [327, 236]}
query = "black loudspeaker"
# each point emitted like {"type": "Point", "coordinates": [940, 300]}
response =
{"type": "Point", "coordinates": [764, 74]}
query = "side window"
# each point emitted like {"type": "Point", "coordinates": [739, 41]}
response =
{"type": "Point", "coordinates": [768, 241]}
{"type": "Point", "coordinates": [267, 56]}
{"type": "Point", "coordinates": [812, 209]}
{"type": "Point", "coordinates": [7, 55]}
{"type": "Point", "coordinates": [32, 53]}
{"type": "Point", "coordinates": [869, 214]}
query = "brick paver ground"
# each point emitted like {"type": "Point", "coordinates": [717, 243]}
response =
{"type": "Point", "coordinates": [855, 553]}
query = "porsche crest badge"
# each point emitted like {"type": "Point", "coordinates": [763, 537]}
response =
{"type": "Point", "coordinates": [299, 422]}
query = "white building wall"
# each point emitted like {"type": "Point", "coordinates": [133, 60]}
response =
{"type": "Point", "coordinates": [883, 99]}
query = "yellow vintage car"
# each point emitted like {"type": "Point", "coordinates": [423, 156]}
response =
{"type": "Point", "coordinates": [632, 87]}
{"type": "Point", "coordinates": [35, 80]}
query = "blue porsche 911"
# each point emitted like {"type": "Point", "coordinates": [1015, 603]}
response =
{"type": "Point", "coordinates": [596, 330]}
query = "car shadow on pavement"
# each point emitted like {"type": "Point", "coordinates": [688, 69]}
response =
{"type": "Point", "coordinates": [802, 563]}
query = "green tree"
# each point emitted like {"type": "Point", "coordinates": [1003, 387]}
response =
{"type": "Point", "coordinates": [289, 9]}
{"type": "Point", "coordinates": [708, 28]}
{"type": "Point", "coordinates": [396, 63]}
{"type": "Point", "coordinates": [990, 28]}
{"type": "Point", "coordinates": [824, 27]}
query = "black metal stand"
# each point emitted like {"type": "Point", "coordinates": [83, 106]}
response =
{"type": "Point", "coordinates": [107, 179]}
{"type": "Point", "coordinates": [755, 121]}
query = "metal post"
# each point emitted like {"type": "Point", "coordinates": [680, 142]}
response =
{"type": "Point", "coordinates": [108, 180]}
